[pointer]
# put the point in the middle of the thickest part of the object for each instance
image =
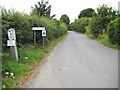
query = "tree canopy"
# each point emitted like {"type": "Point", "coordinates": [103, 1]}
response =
{"type": "Point", "coordinates": [42, 9]}
{"type": "Point", "coordinates": [64, 18]}
{"type": "Point", "coordinates": [86, 13]}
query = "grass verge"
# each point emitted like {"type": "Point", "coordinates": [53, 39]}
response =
{"type": "Point", "coordinates": [15, 73]}
{"type": "Point", "coordinates": [104, 40]}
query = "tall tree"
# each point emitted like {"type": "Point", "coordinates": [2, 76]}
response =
{"type": "Point", "coordinates": [42, 9]}
{"type": "Point", "coordinates": [86, 13]}
{"type": "Point", "coordinates": [101, 19]}
{"type": "Point", "coordinates": [64, 18]}
{"type": "Point", "coordinates": [107, 14]}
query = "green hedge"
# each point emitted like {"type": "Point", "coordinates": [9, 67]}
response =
{"type": "Point", "coordinates": [79, 25]}
{"type": "Point", "coordinates": [113, 31]}
{"type": "Point", "coordinates": [23, 24]}
{"type": "Point", "coordinates": [95, 26]}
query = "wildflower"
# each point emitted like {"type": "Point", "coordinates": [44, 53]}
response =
{"type": "Point", "coordinates": [6, 73]}
{"type": "Point", "coordinates": [26, 57]}
{"type": "Point", "coordinates": [11, 74]}
{"type": "Point", "coordinates": [4, 86]}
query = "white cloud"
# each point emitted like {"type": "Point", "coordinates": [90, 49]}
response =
{"type": "Point", "coordinates": [70, 7]}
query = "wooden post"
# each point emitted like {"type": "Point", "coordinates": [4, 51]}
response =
{"type": "Point", "coordinates": [34, 37]}
{"type": "Point", "coordinates": [43, 41]}
{"type": "Point", "coordinates": [13, 50]}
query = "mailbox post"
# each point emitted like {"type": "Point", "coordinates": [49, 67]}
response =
{"type": "Point", "coordinates": [12, 43]}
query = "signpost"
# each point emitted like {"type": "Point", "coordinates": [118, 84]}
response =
{"type": "Point", "coordinates": [12, 43]}
{"type": "Point", "coordinates": [43, 33]}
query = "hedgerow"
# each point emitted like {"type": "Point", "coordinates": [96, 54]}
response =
{"type": "Point", "coordinates": [79, 25]}
{"type": "Point", "coordinates": [23, 23]}
{"type": "Point", "coordinates": [104, 24]}
{"type": "Point", "coordinates": [113, 31]}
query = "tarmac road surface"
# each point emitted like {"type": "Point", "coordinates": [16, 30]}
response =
{"type": "Point", "coordinates": [78, 62]}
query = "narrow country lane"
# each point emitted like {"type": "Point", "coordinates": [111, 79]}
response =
{"type": "Point", "coordinates": [78, 62]}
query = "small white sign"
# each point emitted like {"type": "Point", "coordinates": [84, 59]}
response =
{"type": "Point", "coordinates": [11, 34]}
{"type": "Point", "coordinates": [43, 33]}
{"type": "Point", "coordinates": [38, 28]}
{"type": "Point", "coordinates": [10, 42]}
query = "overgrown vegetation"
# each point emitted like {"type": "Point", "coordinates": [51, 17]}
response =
{"type": "Point", "coordinates": [23, 26]}
{"type": "Point", "coordinates": [102, 26]}
{"type": "Point", "coordinates": [79, 25]}
{"type": "Point", "coordinates": [86, 13]}
{"type": "Point", "coordinates": [113, 31]}
{"type": "Point", "coordinates": [64, 18]}
{"type": "Point", "coordinates": [14, 73]}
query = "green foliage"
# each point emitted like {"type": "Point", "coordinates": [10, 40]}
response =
{"type": "Point", "coordinates": [64, 18]}
{"type": "Point", "coordinates": [71, 26]}
{"type": "Point", "coordinates": [79, 25]}
{"type": "Point", "coordinates": [29, 57]}
{"type": "Point", "coordinates": [86, 13]}
{"type": "Point", "coordinates": [23, 26]}
{"type": "Point", "coordinates": [113, 30]}
{"type": "Point", "coordinates": [101, 19]}
{"type": "Point", "coordinates": [32, 53]}
{"type": "Point", "coordinates": [95, 27]}
{"type": "Point", "coordinates": [11, 65]}
{"type": "Point", "coordinates": [107, 14]}
{"type": "Point", "coordinates": [103, 25]}
{"type": "Point", "coordinates": [18, 21]}
{"type": "Point", "coordinates": [41, 9]}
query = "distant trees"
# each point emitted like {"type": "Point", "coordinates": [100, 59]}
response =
{"type": "Point", "coordinates": [107, 14]}
{"type": "Point", "coordinates": [64, 18]}
{"type": "Point", "coordinates": [104, 22]}
{"type": "Point", "coordinates": [101, 19]}
{"type": "Point", "coordinates": [95, 26]}
{"type": "Point", "coordinates": [86, 13]}
{"type": "Point", "coordinates": [79, 25]}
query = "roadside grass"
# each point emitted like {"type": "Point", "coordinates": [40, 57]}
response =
{"type": "Point", "coordinates": [15, 73]}
{"type": "Point", "coordinates": [104, 40]}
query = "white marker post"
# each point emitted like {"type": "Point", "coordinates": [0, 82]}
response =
{"type": "Point", "coordinates": [43, 35]}
{"type": "Point", "coordinates": [12, 43]}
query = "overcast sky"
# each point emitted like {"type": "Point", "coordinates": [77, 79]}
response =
{"type": "Point", "coordinates": [70, 7]}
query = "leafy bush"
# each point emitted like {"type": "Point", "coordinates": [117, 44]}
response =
{"type": "Point", "coordinates": [72, 26]}
{"type": "Point", "coordinates": [100, 19]}
{"type": "Point", "coordinates": [95, 27]}
{"type": "Point", "coordinates": [23, 24]}
{"type": "Point", "coordinates": [113, 30]}
{"type": "Point", "coordinates": [80, 24]}
{"type": "Point", "coordinates": [64, 18]}
{"type": "Point", "coordinates": [86, 13]}
{"type": "Point", "coordinates": [20, 23]}
{"type": "Point", "coordinates": [107, 14]}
